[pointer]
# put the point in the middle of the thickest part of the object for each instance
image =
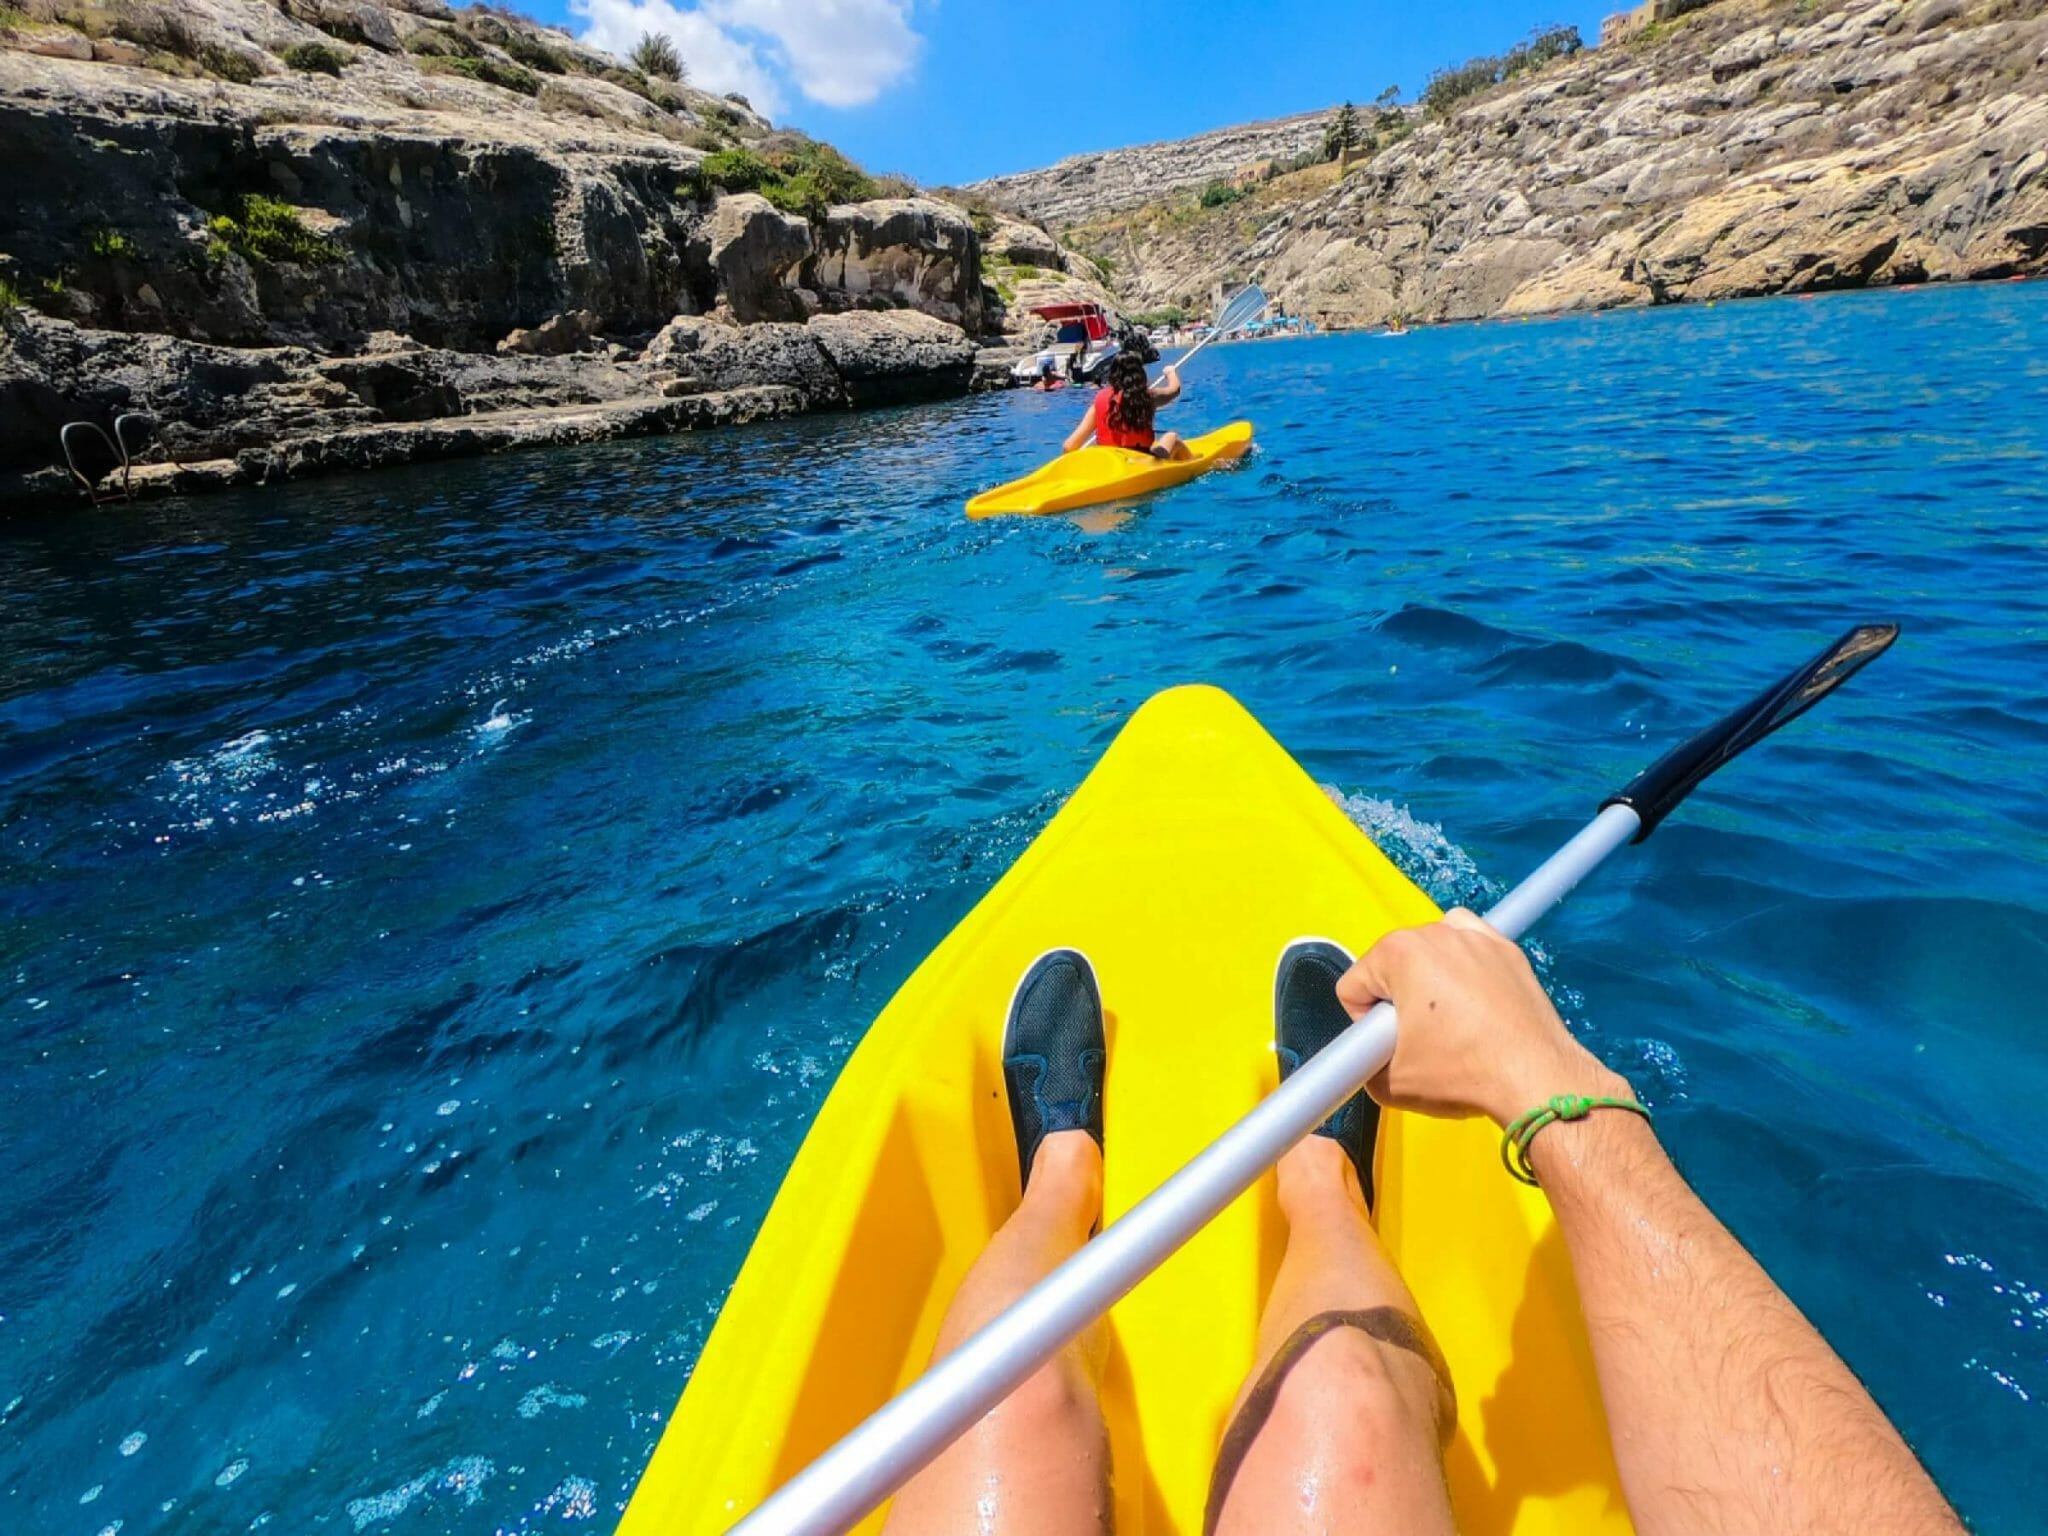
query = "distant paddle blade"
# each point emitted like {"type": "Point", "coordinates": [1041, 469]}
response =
{"type": "Point", "coordinates": [1655, 792]}
{"type": "Point", "coordinates": [1245, 306]}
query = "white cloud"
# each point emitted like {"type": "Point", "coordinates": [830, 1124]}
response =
{"type": "Point", "coordinates": [839, 53]}
{"type": "Point", "coordinates": [717, 60]}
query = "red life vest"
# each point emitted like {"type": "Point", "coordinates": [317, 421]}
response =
{"type": "Point", "coordinates": [1113, 437]}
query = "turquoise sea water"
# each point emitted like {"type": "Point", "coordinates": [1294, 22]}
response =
{"type": "Point", "coordinates": [432, 905]}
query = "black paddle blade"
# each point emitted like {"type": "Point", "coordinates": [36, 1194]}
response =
{"type": "Point", "coordinates": [1655, 792]}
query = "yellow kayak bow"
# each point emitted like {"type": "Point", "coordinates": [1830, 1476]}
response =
{"type": "Point", "coordinates": [1091, 475]}
{"type": "Point", "coordinates": [1184, 862]}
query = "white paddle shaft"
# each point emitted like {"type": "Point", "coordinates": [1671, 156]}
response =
{"type": "Point", "coordinates": [842, 1486]}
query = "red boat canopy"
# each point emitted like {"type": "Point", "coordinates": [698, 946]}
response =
{"type": "Point", "coordinates": [1093, 324]}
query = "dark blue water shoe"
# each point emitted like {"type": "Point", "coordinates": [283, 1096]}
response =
{"type": "Point", "coordinates": [1053, 1052]}
{"type": "Point", "coordinates": [1307, 1017]}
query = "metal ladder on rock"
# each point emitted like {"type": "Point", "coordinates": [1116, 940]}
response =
{"type": "Point", "coordinates": [129, 427]}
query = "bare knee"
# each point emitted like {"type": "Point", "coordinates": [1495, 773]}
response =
{"type": "Point", "coordinates": [1056, 1399]}
{"type": "Point", "coordinates": [1353, 1426]}
{"type": "Point", "coordinates": [1371, 1395]}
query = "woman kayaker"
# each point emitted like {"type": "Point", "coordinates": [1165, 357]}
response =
{"type": "Point", "coordinates": [1121, 416]}
{"type": "Point", "coordinates": [1734, 1413]}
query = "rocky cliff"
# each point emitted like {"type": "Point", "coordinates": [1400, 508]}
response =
{"type": "Point", "coordinates": [276, 225]}
{"type": "Point", "coordinates": [1086, 186]}
{"type": "Point", "coordinates": [1748, 147]}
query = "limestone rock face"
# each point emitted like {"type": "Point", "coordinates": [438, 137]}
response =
{"type": "Point", "coordinates": [911, 252]}
{"type": "Point", "coordinates": [577, 331]}
{"type": "Point", "coordinates": [57, 45]}
{"type": "Point", "coordinates": [888, 358]}
{"type": "Point", "coordinates": [705, 355]}
{"type": "Point", "coordinates": [1086, 186]}
{"type": "Point", "coordinates": [1025, 245]}
{"type": "Point", "coordinates": [398, 386]}
{"type": "Point", "coordinates": [1742, 147]}
{"type": "Point", "coordinates": [430, 204]}
{"type": "Point", "coordinates": [755, 250]}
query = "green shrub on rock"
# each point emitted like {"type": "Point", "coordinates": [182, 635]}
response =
{"type": "Point", "coordinates": [487, 71]}
{"type": "Point", "coordinates": [227, 64]}
{"type": "Point", "coordinates": [442, 43]}
{"type": "Point", "coordinates": [802, 194]}
{"type": "Point", "coordinates": [737, 170]}
{"type": "Point", "coordinates": [1448, 87]}
{"type": "Point", "coordinates": [535, 54]}
{"type": "Point", "coordinates": [315, 59]}
{"type": "Point", "coordinates": [838, 178]}
{"type": "Point", "coordinates": [655, 54]}
{"type": "Point", "coordinates": [263, 230]}
{"type": "Point", "coordinates": [806, 177]}
{"type": "Point", "coordinates": [629, 80]}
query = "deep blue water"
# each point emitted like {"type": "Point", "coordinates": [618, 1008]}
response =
{"type": "Point", "coordinates": [433, 904]}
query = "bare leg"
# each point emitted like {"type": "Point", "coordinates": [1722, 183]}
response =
{"type": "Point", "coordinates": [1174, 447]}
{"type": "Point", "coordinates": [1345, 1425]}
{"type": "Point", "coordinates": [1039, 1461]}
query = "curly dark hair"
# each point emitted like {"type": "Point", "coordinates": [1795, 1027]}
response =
{"type": "Point", "coordinates": [1130, 408]}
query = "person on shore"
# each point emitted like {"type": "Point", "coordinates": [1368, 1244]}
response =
{"type": "Point", "coordinates": [1729, 1411]}
{"type": "Point", "coordinates": [1122, 412]}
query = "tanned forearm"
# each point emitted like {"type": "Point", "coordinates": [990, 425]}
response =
{"type": "Point", "coordinates": [1730, 1413]}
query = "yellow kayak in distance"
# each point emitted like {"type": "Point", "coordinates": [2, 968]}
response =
{"type": "Point", "coordinates": [1091, 475]}
{"type": "Point", "coordinates": [1190, 855]}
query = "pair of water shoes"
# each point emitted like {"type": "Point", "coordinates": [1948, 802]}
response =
{"type": "Point", "coordinates": [1055, 1056]}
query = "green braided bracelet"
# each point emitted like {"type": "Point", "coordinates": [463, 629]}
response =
{"type": "Point", "coordinates": [1514, 1142]}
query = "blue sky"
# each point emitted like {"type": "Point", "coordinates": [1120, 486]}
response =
{"type": "Point", "coordinates": [950, 90]}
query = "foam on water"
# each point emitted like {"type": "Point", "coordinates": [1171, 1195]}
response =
{"type": "Point", "coordinates": [460, 1480]}
{"type": "Point", "coordinates": [1420, 850]}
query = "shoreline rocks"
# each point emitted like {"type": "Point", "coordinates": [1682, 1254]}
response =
{"type": "Point", "coordinates": [244, 416]}
{"type": "Point", "coordinates": [383, 445]}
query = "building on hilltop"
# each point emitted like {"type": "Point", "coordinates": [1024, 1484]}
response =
{"type": "Point", "coordinates": [1623, 25]}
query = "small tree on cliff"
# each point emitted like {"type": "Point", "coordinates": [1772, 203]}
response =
{"type": "Point", "coordinates": [655, 54]}
{"type": "Point", "coordinates": [1341, 136]}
